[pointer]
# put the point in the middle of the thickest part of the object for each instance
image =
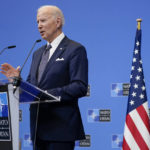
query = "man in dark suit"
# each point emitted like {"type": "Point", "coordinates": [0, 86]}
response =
{"type": "Point", "coordinates": [61, 68]}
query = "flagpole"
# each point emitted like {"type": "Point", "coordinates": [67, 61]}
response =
{"type": "Point", "coordinates": [139, 23]}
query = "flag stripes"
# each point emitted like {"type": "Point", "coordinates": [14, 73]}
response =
{"type": "Point", "coordinates": [144, 116]}
{"type": "Point", "coordinates": [125, 145]}
{"type": "Point", "coordinates": [137, 129]}
{"type": "Point", "coordinates": [129, 141]}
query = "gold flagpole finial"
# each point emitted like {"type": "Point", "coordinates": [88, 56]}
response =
{"type": "Point", "coordinates": [139, 23]}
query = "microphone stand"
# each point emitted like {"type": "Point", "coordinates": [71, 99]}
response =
{"type": "Point", "coordinates": [36, 125]}
{"type": "Point", "coordinates": [16, 80]}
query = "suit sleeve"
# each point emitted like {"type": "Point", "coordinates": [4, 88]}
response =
{"type": "Point", "coordinates": [78, 70]}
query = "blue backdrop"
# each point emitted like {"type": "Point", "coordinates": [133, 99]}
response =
{"type": "Point", "coordinates": [107, 29]}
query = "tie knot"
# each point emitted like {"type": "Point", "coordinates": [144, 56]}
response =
{"type": "Point", "coordinates": [48, 47]}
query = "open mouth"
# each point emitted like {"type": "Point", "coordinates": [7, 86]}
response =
{"type": "Point", "coordinates": [42, 32]}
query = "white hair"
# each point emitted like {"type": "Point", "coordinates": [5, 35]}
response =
{"type": "Point", "coordinates": [56, 12]}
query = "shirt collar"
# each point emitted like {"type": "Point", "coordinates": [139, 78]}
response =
{"type": "Point", "coordinates": [57, 40]}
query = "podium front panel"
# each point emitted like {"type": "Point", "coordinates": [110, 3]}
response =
{"type": "Point", "coordinates": [14, 111]}
{"type": "Point", "coordinates": [5, 120]}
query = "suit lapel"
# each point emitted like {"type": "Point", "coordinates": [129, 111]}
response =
{"type": "Point", "coordinates": [57, 54]}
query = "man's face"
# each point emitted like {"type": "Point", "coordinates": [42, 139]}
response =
{"type": "Point", "coordinates": [47, 25]}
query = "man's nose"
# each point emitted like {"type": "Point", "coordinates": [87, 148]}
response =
{"type": "Point", "coordinates": [39, 25]}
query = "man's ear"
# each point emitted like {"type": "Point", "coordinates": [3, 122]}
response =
{"type": "Point", "coordinates": [59, 22]}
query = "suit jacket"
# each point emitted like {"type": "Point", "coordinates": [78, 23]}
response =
{"type": "Point", "coordinates": [65, 75]}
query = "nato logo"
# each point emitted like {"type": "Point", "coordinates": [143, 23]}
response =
{"type": "Point", "coordinates": [27, 140]}
{"type": "Point", "coordinates": [120, 89]}
{"type": "Point", "coordinates": [117, 140]}
{"type": "Point", "coordinates": [93, 115]}
{"type": "Point", "coordinates": [116, 89]}
{"type": "Point", "coordinates": [3, 104]}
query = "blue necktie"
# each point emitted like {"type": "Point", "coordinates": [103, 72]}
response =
{"type": "Point", "coordinates": [43, 62]}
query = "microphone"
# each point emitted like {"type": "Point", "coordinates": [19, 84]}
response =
{"type": "Point", "coordinates": [16, 80]}
{"type": "Point", "coordinates": [13, 46]}
{"type": "Point", "coordinates": [9, 47]}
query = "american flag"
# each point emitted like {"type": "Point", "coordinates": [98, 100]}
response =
{"type": "Point", "coordinates": [137, 125]}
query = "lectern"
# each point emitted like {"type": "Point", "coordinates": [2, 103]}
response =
{"type": "Point", "coordinates": [10, 98]}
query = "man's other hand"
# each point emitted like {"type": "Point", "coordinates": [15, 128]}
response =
{"type": "Point", "coordinates": [9, 71]}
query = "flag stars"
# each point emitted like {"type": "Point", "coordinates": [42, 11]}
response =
{"type": "Point", "coordinates": [139, 69]}
{"type": "Point", "coordinates": [133, 67]}
{"type": "Point", "coordinates": [140, 61]}
{"type": "Point", "coordinates": [141, 96]}
{"type": "Point", "coordinates": [137, 43]}
{"type": "Point", "coordinates": [137, 77]}
{"type": "Point", "coordinates": [134, 94]}
{"type": "Point", "coordinates": [136, 51]}
{"type": "Point", "coordinates": [131, 102]}
{"type": "Point", "coordinates": [134, 59]}
{"type": "Point", "coordinates": [131, 76]}
{"type": "Point", "coordinates": [135, 86]}
{"type": "Point", "coordinates": [143, 88]}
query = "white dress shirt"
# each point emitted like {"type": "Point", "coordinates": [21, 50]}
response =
{"type": "Point", "coordinates": [55, 44]}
